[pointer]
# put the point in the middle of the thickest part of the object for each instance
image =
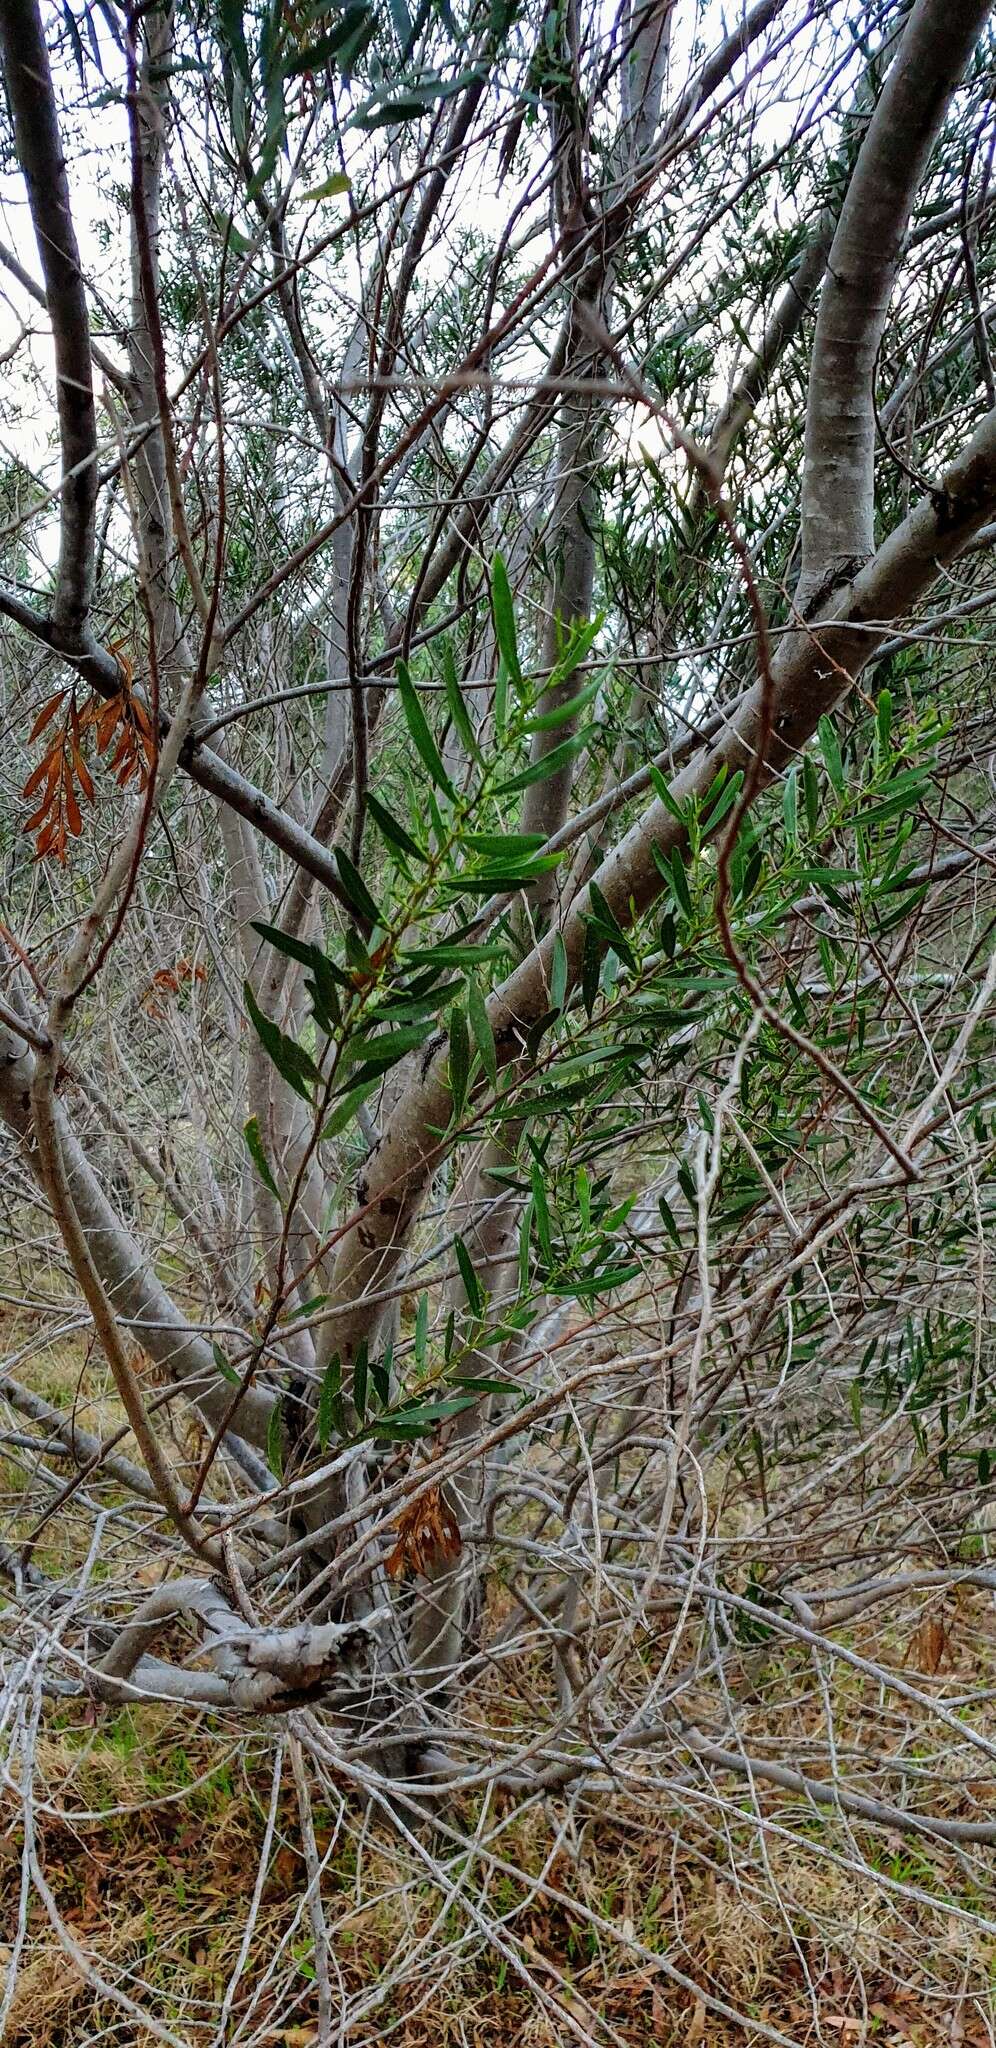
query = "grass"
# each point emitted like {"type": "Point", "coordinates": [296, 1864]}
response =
{"type": "Point", "coordinates": [151, 1825]}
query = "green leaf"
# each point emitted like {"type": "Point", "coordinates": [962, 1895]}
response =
{"type": "Point", "coordinates": [558, 972]}
{"type": "Point", "coordinates": [591, 961]}
{"type": "Point", "coordinates": [345, 1109]}
{"type": "Point", "coordinates": [500, 707]}
{"type": "Point", "coordinates": [394, 833]}
{"type": "Point", "coordinates": [330, 188]}
{"type": "Point", "coordinates": [548, 764]}
{"type": "Point", "coordinates": [275, 1442]}
{"type": "Point", "coordinates": [471, 1284]}
{"type": "Point", "coordinates": [812, 789]}
{"type": "Point", "coordinates": [456, 956]}
{"type": "Point", "coordinates": [242, 244]}
{"type": "Point", "coordinates": [356, 889]}
{"type": "Point", "coordinates": [541, 1211]}
{"type": "Point", "coordinates": [284, 942]}
{"type": "Point", "coordinates": [417, 1421]}
{"type": "Point", "coordinates": [254, 1146]}
{"type": "Point", "coordinates": [317, 54]}
{"type": "Point", "coordinates": [830, 750]}
{"type": "Point", "coordinates": [609, 925]}
{"type": "Point", "coordinates": [484, 1386]}
{"type": "Point", "coordinates": [402, 22]}
{"type": "Point", "coordinates": [484, 1038]}
{"type": "Point", "coordinates": [586, 1287]}
{"type": "Point", "coordinates": [902, 793]}
{"type": "Point", "coordinates": [663, 791]}
{"type": "Point", "coordinates": [679, 882]}
{"type": "Point", "coordinates": [496, 880]}
{"type": "Point", "coordinates": [726, 798]}
{"type": "Point", "coordinates": [416, 722]}
{"type": "Point", "coordinates": [883, 720]}
{"type": "Point", "coordinates": [548, 721]}
{"type": "Point", "coordinates": [580, 639]}
{"type": "Point", "coordinates": [307, 1308]}
{"type": "Point", "coordinates": [330, 1409]}
{"type": "Point", "coordinates": [504, 846]}
{"type": "Point", "coordinates": [233, 32]}
{"type": "Point", "coordinates": [790, 807]}
{"type": "Point", "coordinates": [376, 1055]}
{"type": "Point", "coordinates": [380, 1373]}
{"type": "Point", "coordinates": [455, 701]}
{"type": "Point", "coordinates": [525, 1229]}
{"type": "Point", "coordinates": [668, 1220]}
{"type": "Point", "coordinates": [504, 618]}
{"type": "Point", "coordinates": [227, 1371]}
{"type": "Point", "coordinates": [295, 1065]}
{"type": "Point", "coordinates": [459, 1060]}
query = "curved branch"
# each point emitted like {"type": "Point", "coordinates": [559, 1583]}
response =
{"type": "Point", "coordinates": [40, 154]}
{"type": "Point", "coordinates": [838, 477]}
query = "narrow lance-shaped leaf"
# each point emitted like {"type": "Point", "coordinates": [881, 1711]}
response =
{"type": "Point", "coordinates": [418, 726]}
{"type": "Point", "coordinates": [790, 807]}
{"type": "Point", "coordinates": [558, 972]}
{"type": "Point", "coordinates": [668, 1220]}
{"type": "Point", "coordinates": [471, 1284]}
{"type": "Point", "coordinates": [541, 1211]}
{"type": "Point", "coordinates": [830, 749]}
{"type": "Point", "coordinates": [330, 1408]}
{"type": "Point", "coordinates": [504, 618]}
{"type": "Point", "coordinates": [459, 1063]}
{"type": "Point", "coordinates": [356, 889]}
{"type": "Point", "coordinates": [254, 1146]}
{"type": "Point", "coordinates": [275, 1442]}
{"type": "Point", "coordinates": [227, 1371]}
{"type": "Point", "coordinates": [548, 764]}
{"type": "Point", "coordinates": [484, 1038]}
{"type": "Point", "coordinates": [392, 831]}
{"type": "Point", "coordinates": [292, 1062]}
{"type": "Point", "coordinates": [455, 700]}
{"type": "Point", "coordinates": [345, 1109]}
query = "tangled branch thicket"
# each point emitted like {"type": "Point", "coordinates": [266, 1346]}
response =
{"type": "Point", "coordinates": [497, 1017]}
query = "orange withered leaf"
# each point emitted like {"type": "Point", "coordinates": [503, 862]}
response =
{"type": "Point", "coordinates": [83, 776]}
{"type": "Point", "coordinates": [428, 1536]}
{"type": "Point", "coordinates": [47, 770]}
{"type": "Point", "coordinates": [106, 722]}
{"type": "Point", "coordinates": [31, 824]}
{"type": "Point", "coordinates": [47, 711]}
{"type": "Point", "coordinates": [126, 667]}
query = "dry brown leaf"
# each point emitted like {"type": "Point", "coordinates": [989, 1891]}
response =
{"type": "Point", "coordinates": [47, 711]}
{"type": "Point", "coordinates": [428, 1536]}
{"type": "Point", "coordinates": [696, 2025]}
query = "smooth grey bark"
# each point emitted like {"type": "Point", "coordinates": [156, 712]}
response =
{"type": "Point", "coordinates": [838, 500]}
{"type": "Point", "coordinates": [40, 154]}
